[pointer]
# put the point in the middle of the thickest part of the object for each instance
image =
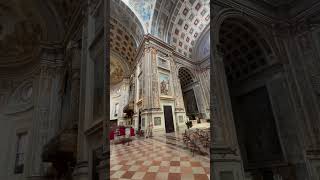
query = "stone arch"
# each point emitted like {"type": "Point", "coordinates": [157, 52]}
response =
{"type": "Point", "coordinates": [246, 53]}
{"type": "Point", "coordinates": [185, 76]}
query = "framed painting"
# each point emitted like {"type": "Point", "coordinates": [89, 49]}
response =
{"type": "Point", "coordinates": [164, 81]}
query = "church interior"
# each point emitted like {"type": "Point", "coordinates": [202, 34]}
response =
{"type": "Point", "coordinates": [159, 81]}
{"type": "Point", "coordinates": [160, 89]}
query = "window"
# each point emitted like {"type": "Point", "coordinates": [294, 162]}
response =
{"type": "Point", "coordinates": [20, 153]}
{"type": "Point", "coordinates": [116, 109]}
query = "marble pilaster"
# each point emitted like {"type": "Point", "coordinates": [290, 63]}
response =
{"type": "Point", "coordinates": [47, 105]}
{"type": "Point", "coordinates": [224, 151]}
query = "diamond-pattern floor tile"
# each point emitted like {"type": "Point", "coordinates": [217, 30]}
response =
{"type": "Point", "coordinates": [152, 159]}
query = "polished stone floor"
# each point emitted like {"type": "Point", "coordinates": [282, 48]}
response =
{"type": "Point", "coordinates": [163, 157]}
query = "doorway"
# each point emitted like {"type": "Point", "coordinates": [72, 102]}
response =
{"type": "Point", "coordinates": [168, 119]}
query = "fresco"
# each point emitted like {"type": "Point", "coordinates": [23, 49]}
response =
{"type": "Point", "coordinates": [164, 84]}
{"type": "Point", "coordinates": [142, 9]}
{"type": "Point", "coordinates": [116, 71]}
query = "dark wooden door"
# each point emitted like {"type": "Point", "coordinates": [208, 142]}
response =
{"type": "Point", "coordinates": [168, 119]}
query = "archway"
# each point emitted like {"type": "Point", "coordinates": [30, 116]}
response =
{"type": "Point", "coordinates": [187, 82]}
{"type": "Point", "coordinates": [246, 61]}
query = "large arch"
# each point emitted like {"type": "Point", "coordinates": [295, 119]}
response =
{"type": "Point", "coordinates": [247, 68]}
{"type": "Point", "coordinates": [187, 81]}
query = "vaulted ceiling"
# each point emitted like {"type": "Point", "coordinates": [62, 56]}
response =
{"type": "Point", "coordinates": [187, 26]}
{"type": "Point", "coordinates": [126, 33]}
{"type": "Point", "coordinates": [122, 42]}
{"type": "Point", "coordinates": [177, 22]}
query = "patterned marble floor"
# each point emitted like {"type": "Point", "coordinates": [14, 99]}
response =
{"type": "Point", "coordinates": [159, 158]}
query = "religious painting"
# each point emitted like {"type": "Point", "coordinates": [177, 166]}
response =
{"type": "Point", "coordinates": [164, 84]}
